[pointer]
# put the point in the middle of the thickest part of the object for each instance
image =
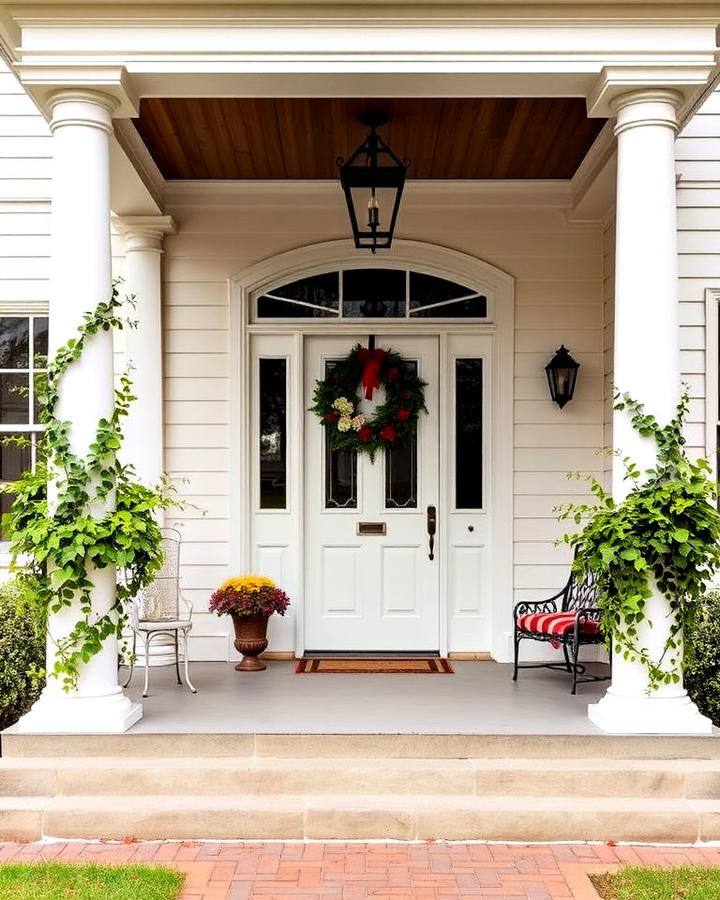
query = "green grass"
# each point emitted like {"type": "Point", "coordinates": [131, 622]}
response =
{"type": "Point", "coordinates": [67, 881]}
{"type": "Point", "coordinates": [655, 883]}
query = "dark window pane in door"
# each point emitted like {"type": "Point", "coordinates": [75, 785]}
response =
{"type": "Point", "coordinates": [471, 308]}
{"type": "Point", "coordinates": [425, 289]}
{"type": "Point", "coordinates": [14, 399]}
{"type": "Point", "coordinates": [340, 472]}
{"type": "Point", "coordinates": [468, 433]}
{"type": "Point", "coordinates": [320, 290]}
{"type": "Point", "coordinates": [273, 433]}
{"type": "Point", "coordinates": [270, 308]}
{"type": "Point", "coordinates": [340, 478]}
{"type": "Point", "coordinates": [374, 293]}
{"type": "Point", "coordinates": [401, 475]}
{"type": "Point", "coordinates": [401, 469]}
{"type": "Point", "coordinates": [40, 342]}
{"type": "Point", "coordinates": [14, 342]}
{"type": "Point", "coordinates": [14, 460]}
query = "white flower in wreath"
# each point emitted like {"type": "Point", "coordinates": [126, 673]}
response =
{"type": "Point", "coordinates": [343, 406]}
{"type": "Point", "coordinates": [358, 422]}
{"type": "Point", "coordinates": [345, 423]}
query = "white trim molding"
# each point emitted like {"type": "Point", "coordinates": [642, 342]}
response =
{"type": "Point", "coordinates": [555, 194]}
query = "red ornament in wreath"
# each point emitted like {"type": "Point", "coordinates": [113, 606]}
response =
{"type": "Point", "coordinates": [337, 401]}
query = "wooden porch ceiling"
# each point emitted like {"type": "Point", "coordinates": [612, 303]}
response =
{"type": "Point", "coordinates": [488, 138]}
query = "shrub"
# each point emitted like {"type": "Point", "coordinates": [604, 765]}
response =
{"type": "Point", "coordinates": [22, 649]}
{"type": "Point", "coordinates": [702, 677]}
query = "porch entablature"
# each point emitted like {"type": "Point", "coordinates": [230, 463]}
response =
{"type": "Point", "coordinates": [476, 49]}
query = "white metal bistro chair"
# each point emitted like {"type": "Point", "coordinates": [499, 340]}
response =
{"type": "Point", "coordinates": [161, 608]}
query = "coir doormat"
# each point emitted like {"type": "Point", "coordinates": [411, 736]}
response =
{"type": "Point", "coordinates": [375, 667]}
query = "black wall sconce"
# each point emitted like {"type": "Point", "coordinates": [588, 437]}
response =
{"type": "Point", "coordinates": [373, 179]}
{"type": "Point", "coordinates": [561, 374]}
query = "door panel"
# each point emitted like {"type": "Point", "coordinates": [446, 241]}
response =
{"type": "Point", "coordinates": [378, 591]}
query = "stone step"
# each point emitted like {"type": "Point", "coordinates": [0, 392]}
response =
{"type": "Point", "coordinates": [388, 817]}
{"type": "Point", "coordinates": [449, 777]}
{"type": "Point", "coordinates": [379, 746]}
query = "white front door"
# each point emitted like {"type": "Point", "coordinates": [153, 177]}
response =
{"type": "Point", "coordinates": [370, 581]}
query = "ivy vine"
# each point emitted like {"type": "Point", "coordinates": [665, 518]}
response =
{"type": "Point", "coordinates": [96, 514]}
{"type": "Point", "coordinates": [667, 529]}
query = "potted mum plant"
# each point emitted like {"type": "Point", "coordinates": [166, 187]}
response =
{"type": "Point", "coordinates": [249, 600]}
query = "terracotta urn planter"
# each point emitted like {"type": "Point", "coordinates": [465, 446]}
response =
{"type": "Point", "coordinates": [250, 640]}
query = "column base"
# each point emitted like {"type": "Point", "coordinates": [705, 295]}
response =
{"type": "Point", "coordinates": [615, 714]}
{"type": "Point", "coordinates": [67, 714]}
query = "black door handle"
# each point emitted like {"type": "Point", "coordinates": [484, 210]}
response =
{"type": "Point", "coordinates": [431, 529]}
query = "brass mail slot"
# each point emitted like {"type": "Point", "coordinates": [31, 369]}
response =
{"type": "Point", "coordinates": [371, 528]}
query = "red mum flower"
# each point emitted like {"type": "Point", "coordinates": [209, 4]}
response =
{"type": "Point", "coordinates": [364, 435]}
{"type": "Point", "coordinates": [393, 374]}
{"type": "Point", "coordinates": [388, 433]}
{"type": "Point", "coordinates": [331, 418]}
{"type": "Point", "coordinates": [406, 395]}
{"type": "Point", "coordinates": [402, 415]}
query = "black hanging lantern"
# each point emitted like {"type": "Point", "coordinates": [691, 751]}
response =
{"type": "Point", "coordinates": [561, 374]}
{"type": "Point", "coordinates": [373, 179]}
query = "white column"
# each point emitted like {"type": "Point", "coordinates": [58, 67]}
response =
{"type": "Point", "coordinates": [647, 366]}
{"type": "Point", "coordinates": [80, 278]}
{"type": "Point", "coordinates": [143, 444]}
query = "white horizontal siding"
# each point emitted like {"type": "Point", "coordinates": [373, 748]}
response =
{"type": "Point", "coordinates": [697, 153]}
{"type": "Point", "coordinates": [24, 197]}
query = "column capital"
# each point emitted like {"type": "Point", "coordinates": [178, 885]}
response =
{"type": "Point", "coordinates": [144, 232]}
{"type": "Point", "coordinates": [80, 106]}
{"type": "Point", "coordinates": [649, 106]}
{"type": "Point", "coordinates": [614, 82]}
{"type": "Point", "coordinates": [45, 81]}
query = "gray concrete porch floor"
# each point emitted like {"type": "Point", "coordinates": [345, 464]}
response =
{"type": "Point", "coordinates": [480, 698]}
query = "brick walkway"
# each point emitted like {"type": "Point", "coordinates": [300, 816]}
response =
{"type": "Point", "coordinates": [337, 871]}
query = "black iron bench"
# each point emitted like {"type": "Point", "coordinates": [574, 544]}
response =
{"type": "Point", "coordinates": [569, 619]}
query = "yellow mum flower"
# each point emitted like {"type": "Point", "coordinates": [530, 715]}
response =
{"type": "Point", "coordinates": [250, 584]}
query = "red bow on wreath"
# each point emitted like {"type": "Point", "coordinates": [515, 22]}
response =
{"type": "Point", "coordinates": [372, 361]}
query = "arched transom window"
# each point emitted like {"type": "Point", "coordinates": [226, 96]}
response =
{"type": "Point", "coordinates": [372, 294]}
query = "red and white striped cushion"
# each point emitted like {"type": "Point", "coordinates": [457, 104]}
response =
{"type": "Point", "coordinates": [555, 623]}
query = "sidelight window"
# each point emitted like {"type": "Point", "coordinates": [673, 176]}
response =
{"type": "Point", "coordinates": [273, 433]}
{"type": "Point", "coordinates": [468, 433]}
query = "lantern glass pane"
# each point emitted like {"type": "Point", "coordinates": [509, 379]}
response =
{"type": "Point", "coordinates": [385, 199]}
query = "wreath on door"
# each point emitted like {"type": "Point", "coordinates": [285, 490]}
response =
{"type": "Point", "coordinates": [337, 401]}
